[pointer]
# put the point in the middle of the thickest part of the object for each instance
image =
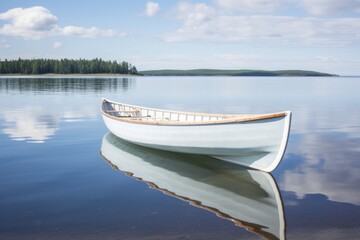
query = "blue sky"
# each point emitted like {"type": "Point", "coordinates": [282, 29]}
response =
{"type": "Point", "coordinates": [320, 35]}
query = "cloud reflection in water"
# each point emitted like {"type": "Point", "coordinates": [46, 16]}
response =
{"type": "Point", "coordinates": [38, 124]}
{"type": "Point", "coordinates": [326, 163]}
{"type": "Point", "coordinates": [31, 125]}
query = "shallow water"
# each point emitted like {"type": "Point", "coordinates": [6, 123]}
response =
{"type": "Point", "coordinates": [55, 184]}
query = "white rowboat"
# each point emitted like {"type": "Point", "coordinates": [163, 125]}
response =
{"type": "Point", "coordinates": [254, 140]}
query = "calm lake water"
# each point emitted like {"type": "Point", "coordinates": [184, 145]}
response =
{"type": "Point", "coordinates": [63, 176]}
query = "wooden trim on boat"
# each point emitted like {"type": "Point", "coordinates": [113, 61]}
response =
{"type": "Point", "coordinates": [223, 121]}
{"type": "Point", "coordinates": [225, 118]}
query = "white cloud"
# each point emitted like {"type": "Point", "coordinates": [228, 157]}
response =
{"type": "Point", "coordinates": [194, 13]}
{"type": "Point", "coordinates": [30, 23]}
{"type": "Point", "coordinates": [314, 7]}
{"type": "Point", "coordinates": [326, 7]}
{"type": "Point", "coordinates": [57, 45]}
{"type": "Point", "coordinates": [87, 32]}
{"type": "Point", "coordinates": [201, 22]}
{"type": "Point", "coordinates": [4, 44]}
{"type": "Point", "coordinates": [35, 18]}
{"type": "Point", "coordinates": [250, 6]}
{"type": "Point", "coordinates": [152, 9]}
{"type": "Point", "coordinates": [38, 22]}
{"type": "Point", "coordinates": [325, 58]}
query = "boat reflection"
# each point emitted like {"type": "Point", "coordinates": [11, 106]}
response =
{"type": "Point", "coordinates": [249, 198]}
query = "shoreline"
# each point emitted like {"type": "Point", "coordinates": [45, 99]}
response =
{"type": "Point", "coordinates": [139, 75]}
{"type": "Point", "coordinates": [236, 73]}
{"type": "Point", "coordinates": [187, 73]}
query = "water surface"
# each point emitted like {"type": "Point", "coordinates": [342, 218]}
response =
{"type": "Point", "coordinates": [55, 184]}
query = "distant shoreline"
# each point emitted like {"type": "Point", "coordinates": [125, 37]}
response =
{"type": "Point", "coordinates": [189, 73]}
{"type": "Point", "coordinates": [98, 67]}
{"type": "Point", "coordinates": [236, 73]}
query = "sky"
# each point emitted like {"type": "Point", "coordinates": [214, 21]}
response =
{"type": "Point", "coordinates": [319, 35]}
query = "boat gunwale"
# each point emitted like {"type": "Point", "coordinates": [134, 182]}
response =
{"type": "Point", "coordinates": [227, 118]}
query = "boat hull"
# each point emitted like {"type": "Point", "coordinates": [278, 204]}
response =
{"type": "Point", "coordinates": [256, 144]}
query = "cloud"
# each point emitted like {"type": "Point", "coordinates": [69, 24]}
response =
{"type": "Point", "coordinates": [57, 45]}
{"type": "Point", "coordinates": [327, 7]}
{"type": "Point", "coordinates": [34, 18]}
{"type": "Point", "coordinates": [152, 9]}
{"type": "Point", "coordinates": [38, 22]}
{"type": "Point", "coordinates": [87, 32]}
{"type": "Point", "coordinates": [31, 23]}
{"type": "Point", "coordinates": [250, 6]}
{"type": "Point", "coordinates": [190, 13]}
{"type": "Point", "coordinates": [201, 22]}
{"type": "Point", "coordinates": [314, 7]}
{"type": "Point", "coordinates": [4, 44]}
{"type": "Point", "coordinates": [325, 58]}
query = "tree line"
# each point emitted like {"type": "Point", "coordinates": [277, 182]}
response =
{"type": "Point", "coordinates": [65, 66]}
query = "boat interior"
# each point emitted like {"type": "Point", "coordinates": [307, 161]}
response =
{"type": "Point", "coordinates": [119, 110]}
{"type": "Point", "coordinates": [130, 113]}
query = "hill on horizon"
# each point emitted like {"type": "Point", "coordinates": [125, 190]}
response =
{"type": "Point", "coordinates": [240, 72]}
